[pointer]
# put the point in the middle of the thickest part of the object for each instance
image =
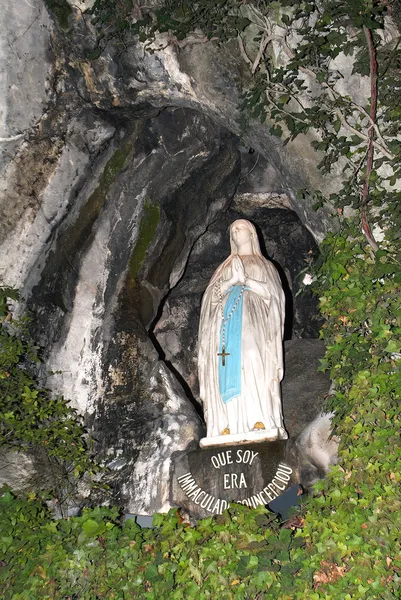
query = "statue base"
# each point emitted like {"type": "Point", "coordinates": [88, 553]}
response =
{"type": "Point", "coordinates": [248, 437]}
{"type": "Point", "coordinates": [207, 480]}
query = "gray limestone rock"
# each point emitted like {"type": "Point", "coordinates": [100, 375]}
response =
{"type": "Point", "coordinates": [313, 451]}
{"type": "Point", "coordinates": [140, 432]}
{"type": "Point", "coordinates": [304, 389]}
{"type": "Point", "coordinates": [99, 278]}
{"type": "Point", "coordinates": [24, 95]}
{"type": "Point", "coordinates": [16, 470]}
{"type": "Point", "coordinates": [26, 65]}
{"type": "Point", "coordinates": [115, 171]}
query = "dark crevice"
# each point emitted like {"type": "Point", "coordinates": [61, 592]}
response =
{"type": "Point", "coordinates": [161, 353]}
{"type": "Point", "coordinates": [173, 370]}
{"type": "Point", "coordinates": [289, 301]}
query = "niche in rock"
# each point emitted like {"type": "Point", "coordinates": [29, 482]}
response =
{"type": "Point", "coordinates": [283, 239]}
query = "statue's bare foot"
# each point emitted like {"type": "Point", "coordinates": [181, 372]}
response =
{"type": "Point", "coordinates": [258, 425]}
{"type": "Point", "coordinates": [225, 431]}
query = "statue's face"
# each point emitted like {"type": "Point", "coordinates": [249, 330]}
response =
{"type": "Point", "coordinates": [240, 233]}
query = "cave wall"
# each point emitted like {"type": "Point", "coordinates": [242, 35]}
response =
{"type": "Point", "coordinates": [72, 127]}
{"type": "Point", "coordinates": [102, 277]}
{"type": "Point", "coordinates": [109, 178]}
{"type": "Point", "coordinates": [124, 83]}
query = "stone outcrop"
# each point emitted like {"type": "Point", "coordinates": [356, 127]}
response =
{"type": "Point", "coordinates": [116, 171]}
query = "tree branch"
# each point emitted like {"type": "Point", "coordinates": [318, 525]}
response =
{"type": "Point", "coordinates": [338, 112]}
{"type": "Point", "coordinates": [292, 115]}
{"type": "Point", "coordinates": [369, 162]}
{"type": "Point", "coordinates": [12, 139]}
{"type": "Point", "coordinates": [363, 112]}
{"type": "Point", "coordinates": [263, 43]}
{"type": "Point", "coordinates": [242, 50]}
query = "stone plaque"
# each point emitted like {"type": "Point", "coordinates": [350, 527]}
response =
{"type": "Point", "coordinates": [207, 480]}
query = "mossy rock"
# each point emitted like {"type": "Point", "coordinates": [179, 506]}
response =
{"type": "Point", "coordinates": [61, 11]}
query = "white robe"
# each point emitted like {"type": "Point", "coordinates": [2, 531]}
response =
{"type": "Point", "coordinates": [261, 353]}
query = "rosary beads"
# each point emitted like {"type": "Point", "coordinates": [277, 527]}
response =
{"type": "Point", "coordinates": [224, 321]}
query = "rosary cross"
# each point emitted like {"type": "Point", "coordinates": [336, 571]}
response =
{"type": "Point", "coordinates": [223, 355]}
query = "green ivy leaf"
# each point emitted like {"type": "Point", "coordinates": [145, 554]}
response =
{"type": "Point", "coordinates": [152, 573]}
{"type": "Point", "coordinates": [90, 527]}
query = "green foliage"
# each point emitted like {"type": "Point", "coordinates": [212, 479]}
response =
{"type": "Point", "coordinates": [239, 554]}
{"type": "Point", "coordinates": [352, 524]}
{"type": "Point", "coordinates": [303, 94]}
{"type": "Point", "coordinates": [31, 419]}
{"type": "Point", "coordinates": [220, 20]}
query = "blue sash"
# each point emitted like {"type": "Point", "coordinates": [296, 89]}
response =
{"type": "Point", "coordinates": [230, 374]}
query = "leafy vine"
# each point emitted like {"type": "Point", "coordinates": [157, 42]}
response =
{"type": "Point", "coordinates": [34, 422]}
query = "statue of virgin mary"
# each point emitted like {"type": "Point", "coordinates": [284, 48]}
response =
{"type": "Point", "coordinates": [240, 360]}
